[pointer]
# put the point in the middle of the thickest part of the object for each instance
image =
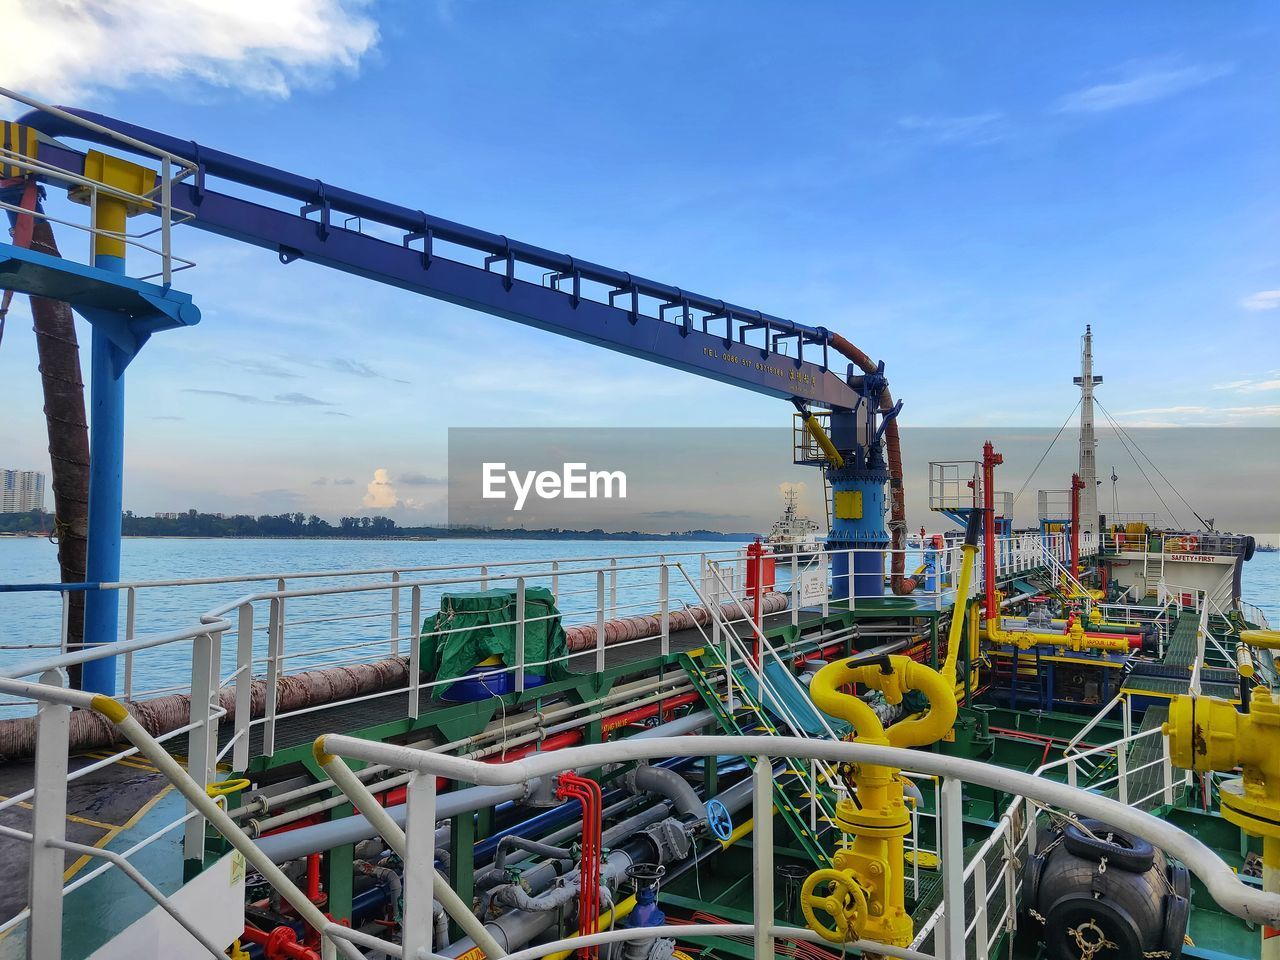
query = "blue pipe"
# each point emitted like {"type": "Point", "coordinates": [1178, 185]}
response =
{"type": "Point", "coordinates": [106, 498]}
{"type": "Point", "coordinates": [557, 816]}
{"type": "Point", "coordinates": [308, 190]}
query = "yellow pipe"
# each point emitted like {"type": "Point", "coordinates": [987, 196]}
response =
{"type": "Point", "coordinates": [918, 730]}
{"type": "Point", "coordinates": [827, 697]}
{"type": "Point", "coordinates": [820, 437]}
{"type": "Point", "coordinates": [620, 912]}
{"type": "Point", "coordinates": [969, 554]}
{"type": "Point", "coordinates": [872, 863]}
{"type": "Point", "coordinates": [740, 831]}
{"type": "Point", "coordinates": [1264, 639]}
{"type": "Point", "coordinates": [110, 220]}
{"type": "Point", "coordinates": [1074, 640]}
{"type": "Point", "coordinates": [111, 210]}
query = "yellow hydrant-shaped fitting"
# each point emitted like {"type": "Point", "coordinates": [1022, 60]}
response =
{"type": "Point", "coordinates": [1211, 734]}
{"type": "Point", "coordinates": [863, 894]}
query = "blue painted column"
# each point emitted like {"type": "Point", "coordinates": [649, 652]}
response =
{"type": "Point", "coordinates": [857, 507]}
{"type": "Point", "coordinates": [106, 496]}
{"type": "Point", "coordinates": [864, 577]}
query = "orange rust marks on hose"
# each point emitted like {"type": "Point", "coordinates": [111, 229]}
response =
{"type": "Point", "coordinates": [893, 453]}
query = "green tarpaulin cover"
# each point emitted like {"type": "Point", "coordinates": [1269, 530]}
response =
{"type": "Point", "coordinates": [471, 627]}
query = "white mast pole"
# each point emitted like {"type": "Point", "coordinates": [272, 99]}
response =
{"type": "Point", "coordinates": [1088, 440]}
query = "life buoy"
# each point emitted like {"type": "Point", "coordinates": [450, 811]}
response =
{"type": "Point", "coordinates": [1191, 543]}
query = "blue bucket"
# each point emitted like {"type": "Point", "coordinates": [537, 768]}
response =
{"type": "Point", "coordinates": [481, 683]}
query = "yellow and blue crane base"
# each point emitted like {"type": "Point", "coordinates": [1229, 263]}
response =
{"type": "Point", "coordinates": [123, 313]}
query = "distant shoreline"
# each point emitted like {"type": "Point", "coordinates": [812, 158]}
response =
{"type": "Point", "coordinates": [194, 525]}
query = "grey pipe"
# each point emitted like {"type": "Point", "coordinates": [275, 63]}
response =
{"type": "Point", "coordinates": [677, 728]}
{"type": "Point", "coordinates": [511, 842]}
{"type": "Point", "coordinates": [336, 833]}
{"type": "Point", "coordinates": [540, 877]}
{"type": "Point", "coordinates": [669, 784]}
{"type": "Point", "coordinates": [516, 928]}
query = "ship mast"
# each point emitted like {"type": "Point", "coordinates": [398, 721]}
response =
{"type": "Point", "coordinates": [1088, 440]}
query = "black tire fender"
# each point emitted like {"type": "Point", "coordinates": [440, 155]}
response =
{"type": "Point", "coordinates": [1124, 850]}
{"type": "Point", "coordinates": [1031, 881]}
{"type": "Point", "coordinates": [1177, 910]}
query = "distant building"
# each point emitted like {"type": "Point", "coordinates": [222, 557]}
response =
{"type": "Point", "coordinates": [21, 491]}
{"type": "Point", "coordinates": [168, 516]}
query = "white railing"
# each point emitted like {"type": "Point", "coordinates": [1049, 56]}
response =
{"type": "Point", "coordinates": [157, 199]}
{"type": "Point", "coordinates": [1254, 615]}
{"type": "Point", "coordinates": [589, 595]}
{"type": "Point", "coordinates": [992, 875]}
{"type": "Point", "coordinates": [306, 620]}
{"type": "Point", "coordinates": [950, 922]}
{"type": "Point", "coordinates": [52, 780]}
{"type": "Point", "coordinates": [1174, 544]}
{"type": "Point", "coordinates": [992, 880]}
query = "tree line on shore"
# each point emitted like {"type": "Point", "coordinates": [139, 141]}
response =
{"type": "Point", "coordinates": [193, 523]}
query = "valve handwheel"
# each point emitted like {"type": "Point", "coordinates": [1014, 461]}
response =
{"type": "Point", "coordinates": [845, 903]}
{"type": "Point", "coordinates": [719, 820]}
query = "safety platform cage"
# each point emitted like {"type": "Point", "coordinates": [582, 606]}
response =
{"type": "Point", "coordinates": [107, 179]}
{"type": "Point", "coordinates": [1053, 506]}
{"type": "Point", "coordinates": [804, 447]}
{"type": "Point", "coordinates": [1003, 502]}
{"type": "Point", "coordinates": [955, 485]}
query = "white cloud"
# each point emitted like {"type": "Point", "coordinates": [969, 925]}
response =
{"type": "Point", "coordinates": [973, 129]}
{"type": "Point", "coordinates": [1140, 82]}
{"type": "Point", "coordinates": [69, 47]}
{"type": "Point", "coordinates": [380, 493]}
{"type": "Point", "coordinates": [1193, 415]}
{"type": "Point", "coordinates": [1252, 385]}
{"type": "Point", "coordinates": [1262, 300]}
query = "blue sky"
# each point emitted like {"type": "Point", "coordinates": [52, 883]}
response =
{"type": "Point", "coordinates": [956, 188]}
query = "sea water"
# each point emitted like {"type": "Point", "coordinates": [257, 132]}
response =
{"type": "Point", "coordinates": [30, 622]}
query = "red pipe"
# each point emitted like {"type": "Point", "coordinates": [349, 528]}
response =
{"type": "Point", "coordinates": [586, 791]}
{"type": "Point", "coordinates": [280, 944]}
{"type": "Point", "coordinates": [554, 742]}
{"type": "Point", "coordinates": [1076, 486]}
{"type": "Point", "coordinates": [755, 575]}
{"type": "Point", "coordinates": [990, 459]}
{"type": "Point", "coordinates": [313, 879]}
{"type": "Point", "coordinates": [609, 724]}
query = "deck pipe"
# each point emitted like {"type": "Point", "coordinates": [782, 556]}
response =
{"type": "Point", "coordinates": [565, 813]}
{"type": "Point", "coordinates": [669, 784]}
{"type": "Point", "coordinates": [281, 847]}
{"type": "Point", "coordinates": [261, 802]}
{"type": "Point", "coordinates": [516, 928]}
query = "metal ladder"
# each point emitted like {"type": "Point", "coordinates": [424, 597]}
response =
{"type": "Point", "coordinates": [740, 713]}
{"type": "Point", "coordinates": [1147, 564]}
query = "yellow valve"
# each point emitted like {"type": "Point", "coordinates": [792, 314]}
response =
{"type": "Point", "coordinates": [1209, 733]}
{"type": "Point", "coordinates": [845, 903]}
{"type": "Point", "coordinates": [868, 879]}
